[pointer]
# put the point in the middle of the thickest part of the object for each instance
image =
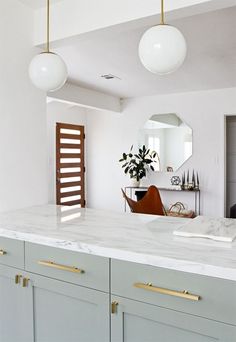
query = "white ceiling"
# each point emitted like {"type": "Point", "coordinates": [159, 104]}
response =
{"type": "Point", "coordinates": [211, 60]}
{"type": "Point", "coordinates": [37, 3]}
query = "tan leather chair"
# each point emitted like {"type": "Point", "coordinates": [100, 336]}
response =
{"type": "Point", "coordinates": [150, 204]}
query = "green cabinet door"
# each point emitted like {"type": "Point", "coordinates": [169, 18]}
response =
{"type": "Point", "coordinates": [16, 309]}
{"type": "Point", "coordinates": [65, 312]}
{"type": "Point", "coordinates": [135, 321]}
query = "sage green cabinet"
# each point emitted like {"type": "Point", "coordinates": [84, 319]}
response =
{"type": "Point", "coordinates": [12, 252]}
{"type": "Point", "coordinates": [135, 321]}
{"type": "Point", "coordinates": [217, 296]}
{"type": "Point", "coordinates": [54, 295]}
{"type": "Point", "coordinates": [60, 264]}
{"type": "Point", "coordinates": [16, 307]}
{"type": "Point", "coordinates": [70, 295]}
{"type": "Point", "coordinates": [40, 309]}
{"type": "Point", "coordinates": [67, 312]}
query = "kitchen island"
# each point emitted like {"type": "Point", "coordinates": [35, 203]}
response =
{"type": "Point", "coordinates": [87, 275]}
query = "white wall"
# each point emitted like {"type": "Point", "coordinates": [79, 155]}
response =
{"type": "Point", "coordinates": [23, 159]}
{"type": "Point", "coordinates": [110, 134]}
{"type": "Point", "coordinates": [59, 112]}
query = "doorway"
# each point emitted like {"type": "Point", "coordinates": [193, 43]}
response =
{"type": "Point", "coordinates": [230, 165]}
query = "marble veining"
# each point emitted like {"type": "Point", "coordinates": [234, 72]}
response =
{"type": "Point", "coordinates": [137, 238]}
{"type": "Point", "coordinates": [220, 229]}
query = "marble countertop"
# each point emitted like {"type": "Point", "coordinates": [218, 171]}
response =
{"type": "Point", "coordinates": [137, 238]}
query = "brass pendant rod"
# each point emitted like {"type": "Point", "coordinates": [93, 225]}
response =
{"type": "Point", "coordinates": [48, 27]}
{"type": "Point", "coordinates": [162, 13]}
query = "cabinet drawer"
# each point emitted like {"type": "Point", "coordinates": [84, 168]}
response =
{"type": "Point", "coordinates": [165, 288]}
{"type": "Point", "coordinates": [77, 268]}
{"type": "Point", "coordinates": [12, 252]}
{"type": "Point", "coordinates": [135, 321]}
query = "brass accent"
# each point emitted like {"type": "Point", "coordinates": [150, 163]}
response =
{"type": "Point", "coordinates": [114, 307]}
{"type": "Point", "coordinates": [25, 282]}
{"type": "Point", "coordinates": [2, 252]}
{"type": "Point", "coordinates": [162, 13]}
{"type": "Point", "coordinates": [182, 294]}
{"type": "Point", "coordinates": [60, 267]}
{"type": "Point", "coordinates": [18, 278]}
{"type": "Point", "coordinates": [48, 27]}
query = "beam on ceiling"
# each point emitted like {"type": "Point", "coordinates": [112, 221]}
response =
{"type": "Point", "coordinates": [88, 98]}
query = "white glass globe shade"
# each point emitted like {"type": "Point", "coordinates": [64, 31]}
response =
{"type": "Point", "coordinates": [162, 49]}
{"type": "Point", "coordinates": [48, 71]}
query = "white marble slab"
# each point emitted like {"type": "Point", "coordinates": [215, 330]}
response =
{"type": "Point", "coordinates": [138, 238]}
{"type": "Point", "coordinates": [220, 229]}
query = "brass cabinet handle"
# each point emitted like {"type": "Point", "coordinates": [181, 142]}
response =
{"type": "Point", "coordinates": [183, 294]}
{"type": "Point", "coordinates": [114, 307]}
{"type": "Point", "coordinates": [2, 252]}
{"type": "Point", "coordinates": [25, 282]}
{"type": "Point", "coordinates": [60, 267]}
{"type": "Point", "coordinates": [18, 278]}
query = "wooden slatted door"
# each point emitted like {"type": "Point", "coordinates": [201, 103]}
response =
{"type": "Point", "coordinates": [70, 164]}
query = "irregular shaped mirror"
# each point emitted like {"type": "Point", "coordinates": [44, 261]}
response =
{"type": "Point", "coordinates": [170, 137]}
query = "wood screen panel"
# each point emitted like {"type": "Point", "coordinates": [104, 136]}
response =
{"type": "Point", "coordinates": [70, 164]}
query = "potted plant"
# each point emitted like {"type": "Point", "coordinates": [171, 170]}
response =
{"type": "Point", "coordinates": [138, 164]}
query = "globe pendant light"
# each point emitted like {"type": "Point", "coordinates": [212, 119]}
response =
{"type": "Point", "coordinates": [47, 70]}
{"type": "Point", "coordinates": [162, 48]}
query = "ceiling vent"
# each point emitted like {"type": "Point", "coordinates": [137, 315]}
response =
{"type": "Point", "coordinates": [110, 77]}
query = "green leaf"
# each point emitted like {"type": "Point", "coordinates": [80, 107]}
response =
{"type": "Point", "coordinates": [138, 164]}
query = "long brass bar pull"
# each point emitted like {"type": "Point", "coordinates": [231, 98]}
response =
{"type": "Point", "coordinates": [60, 267]}
{"type": "Point", "coordinates": [183, 294]}
{"type": "Point", "coordinates": [2, 252]}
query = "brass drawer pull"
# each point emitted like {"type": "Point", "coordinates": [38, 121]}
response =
{"type": "Point", "coordinates": [2, 252]}
{"type": "Point", "coordinates": [183, 294]}
{"type": "Point", "coordinates": [60, 267]}
{"type": "Point", "coordinates": [25, 282]}
{"type": "Point", "coordinates": [114, 307]}
{"type": "Point", "coordinates": [18, 278]}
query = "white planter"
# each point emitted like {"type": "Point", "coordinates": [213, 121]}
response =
{"type": "Point", "coordinates": [135, 183]}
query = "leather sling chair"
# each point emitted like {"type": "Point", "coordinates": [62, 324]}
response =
{"type": "Point", "coordinates": [150, 204]}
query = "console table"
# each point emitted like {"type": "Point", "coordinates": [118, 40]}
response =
{"type": "Point", "coordinates": [130, 191]}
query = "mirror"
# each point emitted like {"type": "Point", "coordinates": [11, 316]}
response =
{"type": "Point", "coordinates": [170, 137]}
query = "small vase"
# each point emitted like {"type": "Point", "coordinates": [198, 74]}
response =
{"type": "Point", "coordinates": [135, 183]}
